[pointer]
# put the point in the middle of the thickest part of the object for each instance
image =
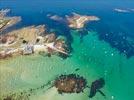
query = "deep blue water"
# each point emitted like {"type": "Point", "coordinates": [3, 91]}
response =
{"type": "Point", "coordinates": [115, 28]}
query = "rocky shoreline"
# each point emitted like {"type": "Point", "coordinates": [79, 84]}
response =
{"type": "Point", "coordinates": [28, 40]}
{"type": "Point", "coordinates": [75, 21]}
{"type": "Point", "coordinates": [6, 21]}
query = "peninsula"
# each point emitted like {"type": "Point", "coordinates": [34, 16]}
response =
{"type": "Point", "coordinates": [29, 40]}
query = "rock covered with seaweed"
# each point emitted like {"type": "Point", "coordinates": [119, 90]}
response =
{"type": "Point", "coordinates": [71, 83]}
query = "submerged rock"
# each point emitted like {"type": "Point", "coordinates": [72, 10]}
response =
{"type": "Point", "coordinates": [71, 83]}
{"type": "Point", "coordinates": [96, 86]}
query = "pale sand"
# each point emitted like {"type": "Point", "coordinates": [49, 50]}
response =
{"type": "Point", "coordinates": [34, 71]}
{"type": "Point", "coordinates": [52, 94]}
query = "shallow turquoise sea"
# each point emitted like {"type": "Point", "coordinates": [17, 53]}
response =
{"type": "Point", "coordinates": [93, 57]}
{"type": "Point", "coordinates": [96, 55]}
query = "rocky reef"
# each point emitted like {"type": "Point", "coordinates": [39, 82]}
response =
{"type": "Point", "coordinates": [71, 83]}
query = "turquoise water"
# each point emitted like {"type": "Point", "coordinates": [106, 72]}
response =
{"type": "Point", "coordinates": [95, 59]}
{"type": "Point", "coordinates": [96, 56]}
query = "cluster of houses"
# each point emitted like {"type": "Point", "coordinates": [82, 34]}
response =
{"type": "Point", "coordinates": [48, 44]}
{"type": "Point", "coordinates": [27, 40]}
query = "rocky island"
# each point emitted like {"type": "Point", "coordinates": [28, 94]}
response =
{"type": "Point", "coordinates": [121, 10]}
{"type": "Point", "coordinates": [75, 20]}
{"type": "Point", "coordinates": [78, 21]}
{"type": "Point", "coordinates": [5, 21]}
{"type": "Point", "coordinates": [55, 17]}
{"type": "Point", "coordinates": [70, 83]}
